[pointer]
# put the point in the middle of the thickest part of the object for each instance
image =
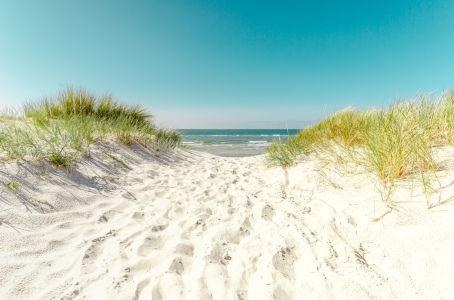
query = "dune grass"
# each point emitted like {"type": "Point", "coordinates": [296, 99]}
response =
{"type": "Point", "coordinates": [392, 143]}
{"type": "Point", "coordinates": [59, 128]}
{"type": "Point", "coordinates": [81, 103]}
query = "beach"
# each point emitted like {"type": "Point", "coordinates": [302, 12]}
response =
{"type": "Point", "coordinates": [184, 224]}
{"type": "Point", "coordinates": [211, 150]}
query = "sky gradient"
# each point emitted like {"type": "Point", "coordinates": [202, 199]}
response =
{"type": "Point", "coordinates": [228, 64]}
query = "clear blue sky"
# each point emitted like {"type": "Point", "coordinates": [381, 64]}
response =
{"type": "Point", "coordinates": [228, 64]}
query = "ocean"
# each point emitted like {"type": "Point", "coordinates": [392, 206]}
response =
{"type": "Point", "coordinates": [234, 142]}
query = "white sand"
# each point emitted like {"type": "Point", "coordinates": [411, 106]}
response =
{"type": "Point", "coordinates": [195, 226]}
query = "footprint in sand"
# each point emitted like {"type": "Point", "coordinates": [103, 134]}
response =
{"type": "Point", "coordinates": [176, 211]}
{"type": "Point", "coordinates": [152, 173]}
{"type": "Point", "coordinates": [185, 249]}
{"type": "Point", "coordinates": [148, 245]}
{"type": "Point", "coordinates": [280, 294]}
{"type": "Point", "coordinates": [177, 266]}
{"type": "Point", "coordinates": [241, 295]}
{"type": "Point", "coordinates": [96, 248]}
{"type": "Point", "coordinates": [140, 287]}
{"type": "Point", "coordinates": [267, 213]}
{"type": "Point", "coordinates": [283, 261]}
{"type": "Point", "coordinates": [106, 216]}
{"type": "Point", "coordinates": [128, 195]}
{"type": "Point", "coordinates": [157, 228]}
{"type": "Point", "coordinates": [160, 194]}
{"type": "Point", "coordinates": [219, 254]}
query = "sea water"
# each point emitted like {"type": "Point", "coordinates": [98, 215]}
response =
{"type": "Point", "coordinates": [234, 142]}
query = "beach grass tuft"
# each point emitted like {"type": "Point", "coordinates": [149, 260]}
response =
{"type": "Point", "coordinates": [59, 128]}
{"type": "Point", "coordinates": [80, 103]}
{"type": "Point", "coordinates": [393, 142]}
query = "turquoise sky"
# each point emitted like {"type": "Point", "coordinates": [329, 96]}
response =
{"type": "Point", "coordinates": [228, 64]}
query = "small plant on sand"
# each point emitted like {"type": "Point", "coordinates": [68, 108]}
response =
{"type": "Point", "coordinates": [12, 184]}
{"type": "Point", "coordinates": [125, 138]}
{"type": "Point", "coordinates": [60, 160]}
{"type": "Point", "coordinates": [43, 172]}
{"type": "Point", "coordinates": [285, 153]}
{"type": "Point", "coordinates": [167, 139]}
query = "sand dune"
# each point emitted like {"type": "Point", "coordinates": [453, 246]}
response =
{"type": "Point", "coordinates": [190, 225]}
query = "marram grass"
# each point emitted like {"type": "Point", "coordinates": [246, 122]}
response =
{"type": "Point", "coordinates": [392, 142]}
{"type": "Point", "coordinates": [81, 103]}
{"type": "Point", "coordinates": [59, 128]}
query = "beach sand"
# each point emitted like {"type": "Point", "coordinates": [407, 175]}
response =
{"type": "Point", "coordinates": [190, 225]}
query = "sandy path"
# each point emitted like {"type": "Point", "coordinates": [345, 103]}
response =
{"type": "Point", "coordinates": [197, 226]}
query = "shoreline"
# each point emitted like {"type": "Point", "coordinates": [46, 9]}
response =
{"type": "Point", "coordinates": [229, 150]}
{"type": "Point", "coordinates": [233, 142]}
{"type": "Point", "coordinates": [191, 225]}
